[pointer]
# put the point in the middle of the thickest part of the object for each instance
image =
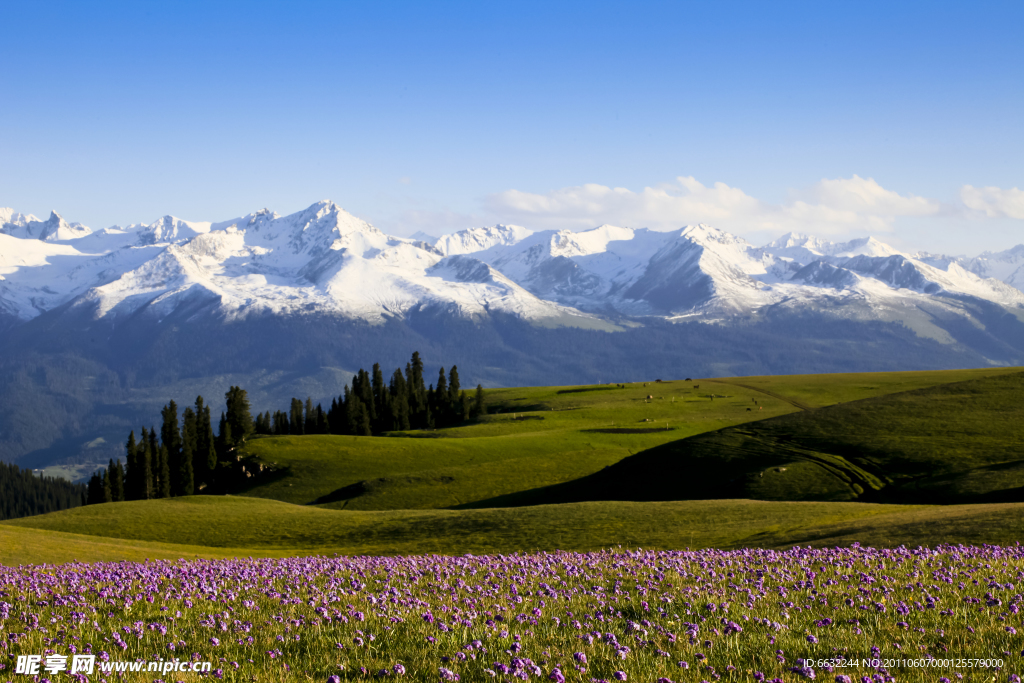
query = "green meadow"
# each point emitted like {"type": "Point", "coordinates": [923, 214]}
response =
{"type": "Point", "coordinates": [207, 526]}
{"type": "Point", "coordinates": [730, 462]}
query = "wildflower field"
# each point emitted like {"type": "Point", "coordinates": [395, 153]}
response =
{"type": "Point", "coordinates": [853, 615]}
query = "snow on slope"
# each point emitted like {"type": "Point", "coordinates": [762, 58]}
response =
{"type": "Point", "coordinates": [323, 259]}
{"type": "Point", "coordinates": [28, 226]}
{"type": "Point", "coordinates": [1007, 266]}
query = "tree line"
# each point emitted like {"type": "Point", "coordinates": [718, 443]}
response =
{"type": "Point", "coordinates": [185, 458]}
{"type": "Point", "coordinates": [372, 406]}
{"type": "Point", "coordinates": [23, 493]}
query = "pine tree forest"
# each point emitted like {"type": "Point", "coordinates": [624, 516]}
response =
{"type": "Point", "coordinates": [184, 456]}
{"type": "Point", "coordinates": [25, 493]}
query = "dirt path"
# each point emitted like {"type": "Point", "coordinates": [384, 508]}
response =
{"type": "Point", "coordinates": [797, 404]}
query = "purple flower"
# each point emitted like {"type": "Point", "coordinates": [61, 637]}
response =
{"type": "Point", "coordinates": [334, 679]}
{"type": "Point", "coordinates": [398, 669]}
{"type": "Point", "coordinates": [619, 675]}
{"type": "Point", "coordinates": [556, 676]}
{"type": "Point", "coordinates": [812, 640]}
{"type": "Point", "coordinates": [842, 678]}
{"type": "Point", "coordinates": [580, 657]}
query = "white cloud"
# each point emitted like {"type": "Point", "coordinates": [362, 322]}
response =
{"type": "Point", "coordinates": [994, 202]}
{"type": "Point", "coordinates": [864, 196]}
{"type": "Point", "coordinates": [829, 207]}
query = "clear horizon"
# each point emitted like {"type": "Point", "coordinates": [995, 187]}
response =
{"type": "Point", "coordinates": [839, 121]}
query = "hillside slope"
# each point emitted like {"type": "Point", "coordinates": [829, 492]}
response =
{"type": "Point", "coordinates": [953, 443]}
{"type": "Point", "coordinates": [538, 436]}
{"type": "Point", "coordinates": [224, 526]}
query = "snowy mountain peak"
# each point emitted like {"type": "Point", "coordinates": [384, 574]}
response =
{"type": "Point", "coordinates": [796, 240]}
{"type": "Point", "coordinates": [420, 236]}
{"type": "Point", "coordinates": [324, 259]}
{"type": "Point", "coordinates": [53, 229]}
{"type": "Point", "coordinates": [476, 240]}
{"type": "Point", "coordinates": [9, 215]}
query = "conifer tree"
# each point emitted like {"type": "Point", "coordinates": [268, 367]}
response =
{"type": "Point", "coordinates": [380, 398]}
{"type": "Point", "coordinates": [105, 487]}
{"type": "Point", "coordinates": [170, 437]}
{"type": "Point", "coordinates": [401, 414]}
{"type": "Point", "coordinates": [478, 403]}
{"type": "Point", "coordinates": [94, 495]}
{"type": "Point", "coordinates": [133, 477]}
{"type": "Point", "coordinates": [239, 415]}
{"type": "Point", "coordinates": [297, 425]}
{"type": "Point", "coordinates": [155, 466]}
{"type": "Point", "coordinates": [417, 374]}
{"type": "Point", "coordinates": [115, 473]}
{"type": "Point", "coordinates": [364, 427]}
{"type": "Point", "coordinates": [225, 437]}
{"type": "Point", "coordinates": [398, 402]}
{"type": "Point", "coordinates": [321, 421]}
{"type": "Point", "coordinates": [145, 464]}
{"type": "Point", "coordinates": [204, 462]}
{"type": "Point", "coordinates": [339, 416]}
{"type": "Point", "coordinates": [164, 479]}
{"type": "Point", "coordinates": [418, 405]}
{"type": "Point", "coordinates": [186, 476]}
{"type": "Point", "coordinates": [440, 403]}
{"type": "Point", "coordinates": [359, 417]}
{"type": "Point", "coordinates": [454, 386]}
{"type": "Point", "coordinates": [280, 423]}
{"type": "Point", "coordinates": [366, 394]}
{"type": "Point", "coordinates": [309, 424]}
{"type": "Point", "coordinates": [119, 468]}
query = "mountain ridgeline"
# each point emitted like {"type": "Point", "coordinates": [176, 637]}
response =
{"type": "Point", "coordinates": [181, 460]}
{"type": "Point", "coordinates": [98, 327]}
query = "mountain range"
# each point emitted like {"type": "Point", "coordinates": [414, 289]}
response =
{"type": "Point", "coordinates": [107, 323]}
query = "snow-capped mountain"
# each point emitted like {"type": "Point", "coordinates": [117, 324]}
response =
{"type": "Point", "coordinates": [99, 328]}
{"type": "Point", "coordinates": [27, 226]}
{"type": "Point", "coordinates": [1007, 266]}
{"type": "Point", "coordinates": [325, 260]}
{"type": "Point", "coordinates": [322, 259]}
{"type": "Point", "coordinates": [700, 270]}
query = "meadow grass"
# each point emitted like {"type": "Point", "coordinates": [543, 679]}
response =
{"type": "Point", "coordinates": [26, 545]}
{"type": "Point", "coordinates": [538, 436]}
{"type": "Point", "coordinates": [221, 526]}
{"type": "Point", "coordinates": [952, 443]}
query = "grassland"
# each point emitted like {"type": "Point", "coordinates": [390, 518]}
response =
{"type": "Point", "coordinates": [539, 436]}
{"type": "Point", "coordinates": [953, 443]}
{"type": "Point", "coordinates": [208, 526]}
{"type": "Point", "coordinates": [583, 468]}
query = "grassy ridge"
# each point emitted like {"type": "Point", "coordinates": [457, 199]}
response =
{"type": "Point", "coordinates": [229, 526]}
{"type": "Point", "coordinates": [937, 439]}
{"type": "Point", "coordinates": [954, 443]}
{"type": "Point", "coordinates": [539, 436]}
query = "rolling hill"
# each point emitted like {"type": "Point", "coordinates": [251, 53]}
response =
{"type": "Point", "coordinates": [99, 328]}
{"type": "Point", "coordinates": [229, 526]}
{"type": "Point", "coordinates": [586, 467]}
{"type": "Point", "coordinates": [952, 443]}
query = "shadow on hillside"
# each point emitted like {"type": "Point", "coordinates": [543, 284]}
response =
{"type": "Point", "coordinates": [952, 444]}
{"type": "Point", "coordinates": [378, 485]}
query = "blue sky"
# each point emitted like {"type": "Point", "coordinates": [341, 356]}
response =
{"type": "Point", "coordinates": [902, 120]}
